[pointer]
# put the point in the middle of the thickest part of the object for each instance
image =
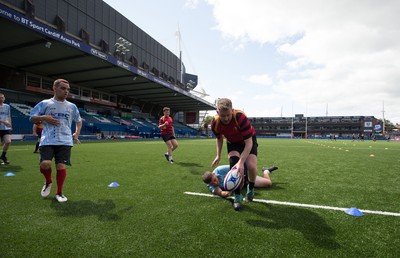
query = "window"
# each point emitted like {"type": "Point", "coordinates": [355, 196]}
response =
{"type": "Point", "coordinates": [86, 93]}
{"type": "Point", "coordinates": [95, 94]}
{"type": "Point", "coordinates": [74, 90]}
{"type": "Point", "coordinates": [105, 97]}
{"type": "Point", "coordinates": [47, 84]}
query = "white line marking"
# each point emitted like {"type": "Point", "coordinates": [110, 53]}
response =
{"type": "Point", "coordinates": [303, 205]}
{"type": "Point", "coordinates": [18, 149]}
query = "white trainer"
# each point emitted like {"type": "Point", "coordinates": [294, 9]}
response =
{"type": "Point", "coordinates": [61, 198]}
{"type": "Point", "coordinates": [46, 190]}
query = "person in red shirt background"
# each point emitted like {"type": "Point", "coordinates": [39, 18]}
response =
{"type": "Point", "coordinates": [168, 134]}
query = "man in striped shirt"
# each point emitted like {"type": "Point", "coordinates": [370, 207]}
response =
{"type": "Point", "coordinates": [241, 144]}
{"type": "Point", "coordinates": [57, 115]}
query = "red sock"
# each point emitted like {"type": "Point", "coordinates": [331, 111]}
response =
{"type": "Point", "coordinates": [61, 175]}
{"type": "Point", "coordinates": [47, 174]}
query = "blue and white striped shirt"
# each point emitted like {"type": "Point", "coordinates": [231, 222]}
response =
{"type": "Point", "coordinates": [220, 172]}
{"type": "Point", "coordinates": [66, 112]}
{"type": "Point", "coordinates": [5, 116]}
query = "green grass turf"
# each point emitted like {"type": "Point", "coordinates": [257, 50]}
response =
{"type": "Point", "coordinates": [149, 215]}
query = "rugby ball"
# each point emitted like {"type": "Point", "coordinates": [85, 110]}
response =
{"type": "Point", "coordinates": [232, 179]}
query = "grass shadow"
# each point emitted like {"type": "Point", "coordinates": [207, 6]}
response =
{"type": "Point", "coordinates": [103, 209]}
{"type": "Point", "coordinates": [10, 168]}
{"type": "Point", "coordinates": [197, 172]}
{"type": "Point", "coordinates": [275, 186]}
{"type": "Point", "coordinates": [309, 223]}
{"type": "Point", "coordinates": [188, 164]}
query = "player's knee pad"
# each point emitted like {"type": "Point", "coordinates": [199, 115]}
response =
{"type": "Point", "coordinates": [233, 160]}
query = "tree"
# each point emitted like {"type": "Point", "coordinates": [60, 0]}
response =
{"type": "Point", "coordinates": [206, 122]}
{"type": "Point", "coordinates": [389, 126]}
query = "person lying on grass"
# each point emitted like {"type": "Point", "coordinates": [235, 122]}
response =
{"type": "Point", "coordinates": [215, 179]}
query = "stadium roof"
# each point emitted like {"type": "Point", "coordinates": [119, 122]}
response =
{"type": "Point", "coordinates": [25, 49]}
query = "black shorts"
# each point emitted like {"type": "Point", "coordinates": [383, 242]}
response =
{"type": "Point", "coordinates": [60, 153]}
{"type": "Point", "coordinates": [167, 137]}
{"type": "Point", "coordinates": [240, 147]}
{"type": "Point", "coordinates": [39, 134]}
{"type": "Point", "coordinates": [4, 132]}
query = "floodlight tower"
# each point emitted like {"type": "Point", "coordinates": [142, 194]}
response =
{"type": "Point", "coordinates": [326, 112]}
{"type": "Point", "coordinates": [305, 137]}
{"type": "Point", "coordinates": [122, 47]}
{"type": "Point", "coordinates": [180, 62]}
{"type": "Point", "coordinates": [383, 117]}
{"type": "Point", "coordinates": [291, 133]}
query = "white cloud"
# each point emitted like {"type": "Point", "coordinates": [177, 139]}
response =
{"type": "Point", "coordinates": [345, 53]}
{"type": "Point", "coordinates": [191, 4]}
{"type": "Point", "coordinates": [262, 79]}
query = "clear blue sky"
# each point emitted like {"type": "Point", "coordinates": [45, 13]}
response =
{"type": "Point", "coordinates": [286, 57]}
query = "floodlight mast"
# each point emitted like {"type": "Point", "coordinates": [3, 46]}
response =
{"type": "Point", "coordinates": [383, 118]}
{"type": "Point", "coordinates": [122, 47]}
{"type": "Point", "coordinates": [305, 137]}
{"type": "Point", "coordinates": [291, 136]}
{"type": "Point", "coordinates": [180, 62]}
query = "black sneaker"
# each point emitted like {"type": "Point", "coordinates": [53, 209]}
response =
{"type": "Point", "coordinates": [270, 169]}
{"type": "Point", "coordinates": [166, 156]}
{"type": "Point", "coordinates": [5, 161]}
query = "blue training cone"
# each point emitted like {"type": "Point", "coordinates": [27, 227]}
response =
{"type": "Point", "coordinates": [10, 174]}
{"type": "Point", "coordinates": [354, 212]}
{"type": "Point", "coordinates": [113, 185]}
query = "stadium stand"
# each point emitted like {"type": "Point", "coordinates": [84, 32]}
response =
{"type": "Point", "coordinates": [20, 118]}
{"type": "Point", "coordinates": [95, 123]}
{"type": "Point", "coordinates": [111, 87]}
{"type": "Point", "coordinates": [22, 108]}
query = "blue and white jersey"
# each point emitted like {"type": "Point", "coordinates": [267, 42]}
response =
{"type": "Point", "coordinates": [220, 172]}
{"type": "Point", "coordinates": [66, 112]}
{"type": "Point", "coordinates": [5, 116]}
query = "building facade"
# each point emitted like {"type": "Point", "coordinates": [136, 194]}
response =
{"type": "Point", "coordinates": [98, 24]}
{"type": "Point", "coordinates": [319, 127]}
